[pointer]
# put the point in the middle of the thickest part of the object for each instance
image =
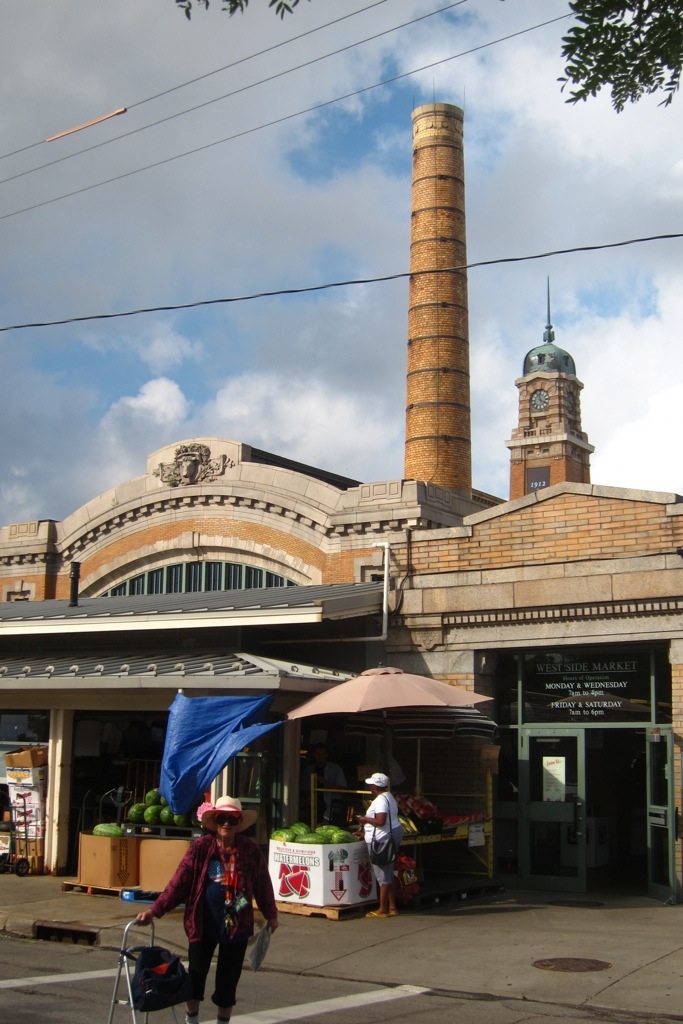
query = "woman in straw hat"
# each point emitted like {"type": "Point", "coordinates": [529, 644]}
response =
{"type": "Point", "coordinates": [217, 879]}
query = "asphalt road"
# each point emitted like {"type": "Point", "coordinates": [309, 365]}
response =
{"type": "Point", "coordinates": [64, 983]}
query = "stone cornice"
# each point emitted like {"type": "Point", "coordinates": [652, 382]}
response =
{"type": "Point", "coordinates": [499, 617]}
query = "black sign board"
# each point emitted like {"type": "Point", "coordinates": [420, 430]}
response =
{"type": "Point", "coordinates": [536, 478]}
{"type": "Point", "coordinates": [592, 685]}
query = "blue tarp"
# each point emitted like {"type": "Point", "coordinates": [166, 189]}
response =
{"type": "Point", "coordinates": [203, 734]}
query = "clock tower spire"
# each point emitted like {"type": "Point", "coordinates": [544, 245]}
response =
{"type": "Point", "coordinates": [547, 445]}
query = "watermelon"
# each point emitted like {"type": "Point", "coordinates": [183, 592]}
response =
{"type": "Point", "coordinates": [181, 820]}
{"type": "Point", "coordinates": [136, 813]}
{"type": "Point", "coordinates": [286, 835]}
{"type": "Point", "coordinates": [310, 837]}
{"type": "Point", "coordinates": [153, 814]}
{"type": "Point", "coordinates": [153, 797]}
{"type": "Point", "coordinates": [163, 801]}
{"type": "Point", "coordinates": [340, 836]}
{"type": "Point", "coordinates": [110, 830]}
{"type": "Point", "coordinates": [166, 816]}
{"type": "Point", "coordinates": [300, 829]}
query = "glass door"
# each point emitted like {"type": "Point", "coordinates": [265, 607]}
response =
{"type": "Point", "coordinates": [661, 824]}
{"type": "Point", "coordinates": [552, 809]}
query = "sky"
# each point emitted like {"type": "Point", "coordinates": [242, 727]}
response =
{"type": "Point", "coordinates": [265, 155]}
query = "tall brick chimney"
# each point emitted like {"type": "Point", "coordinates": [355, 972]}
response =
{"type": "Point", "coordinates": [438, 437]}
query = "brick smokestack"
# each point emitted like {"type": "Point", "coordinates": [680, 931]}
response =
{"type": "Point", "coordinates": [438, 436]}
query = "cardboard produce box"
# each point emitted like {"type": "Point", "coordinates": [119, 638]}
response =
{"type": "Point", "coordinates": [26, 757]}
{"type": "Point", "coordinates": [28, 811]}
{"type": "Point", "coordinates": [158, 860]}
{"type": "Point", "coordinates": [323, 876]}
{"type": "Point", "coordinates": [108, 862]}
{"type": "Point", "coordinates": [34, 851]}
{"type": "Point", "coordinates": [32, 776]}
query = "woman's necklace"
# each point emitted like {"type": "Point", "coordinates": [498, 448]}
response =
{"type": "Point", "coordinates": [229, 865]}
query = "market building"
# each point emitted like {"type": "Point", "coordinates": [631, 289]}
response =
{"type": "Point", "coordinates": [225, 569]}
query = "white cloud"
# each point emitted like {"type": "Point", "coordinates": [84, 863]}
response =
{"type": "Point", "coordinates": [165, 349]}
{"type": "Point", "coordinates": [158, 403]}
{"type": "Point", "coordinates": [308, 421]}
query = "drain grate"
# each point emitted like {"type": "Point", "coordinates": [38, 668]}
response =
{"type": "Point", "coordinates": [571, 964]}
{"type": "Point", "coordinates": [52, 931]}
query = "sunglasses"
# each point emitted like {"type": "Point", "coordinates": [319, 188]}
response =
{"type": "Point", "coordinates": [227, 819]}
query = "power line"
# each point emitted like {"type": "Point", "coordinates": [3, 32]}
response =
{"type": "Point", "coordinates": [208, 74]}
{"type": "Point", "coordinates": [340, 284]}
{"type": "Point", "coordinates": [283, 119]}
{"type": "Point", "coordinates": [233, 92]}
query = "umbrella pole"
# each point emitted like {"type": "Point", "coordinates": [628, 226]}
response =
{"type": "Point", "coordinates": [387, 745]}
{"type": "Point", "coordinates": [418, 787]}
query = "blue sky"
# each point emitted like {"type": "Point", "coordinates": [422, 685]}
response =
{"type": "Point", "coordinates": [314, 198]}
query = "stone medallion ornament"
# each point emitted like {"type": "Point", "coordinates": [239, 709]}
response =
{"type": "Point", "coordinates": [192, 465]}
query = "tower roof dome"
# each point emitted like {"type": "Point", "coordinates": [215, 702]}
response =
{"type": "Point", "coordinates": [548, 356]}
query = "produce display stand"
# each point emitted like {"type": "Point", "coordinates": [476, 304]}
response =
{"type": "Point", "coordinates": [474, 833]}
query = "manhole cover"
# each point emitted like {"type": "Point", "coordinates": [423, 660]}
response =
{"type": "Point", "coordinates": [574, 903]}
{"type": "Point", "coordinates": [571, 964]}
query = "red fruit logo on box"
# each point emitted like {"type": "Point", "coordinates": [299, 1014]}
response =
{"type": "Point", "coordinates": [294, 881]}
{"type": "Point", "coordinates": [366, 880]}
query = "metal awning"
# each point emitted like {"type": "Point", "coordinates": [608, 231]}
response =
{"type": "Point", "coordinates": [213, 670]}
{"type": "Point", "coordinates": [273, 606]}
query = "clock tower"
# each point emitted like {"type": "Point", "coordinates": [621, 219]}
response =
{"type": "Point", "coordinates": [547, 445]}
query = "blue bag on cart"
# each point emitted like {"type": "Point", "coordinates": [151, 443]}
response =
{"type": "Point", "coordinates": [159, 980]}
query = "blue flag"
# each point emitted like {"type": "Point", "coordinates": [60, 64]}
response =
{"type": "Point", "coordinates": [203, 734]}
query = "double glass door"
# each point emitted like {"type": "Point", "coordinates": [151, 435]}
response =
{"type": "Point", "coordinates": [568, 838]}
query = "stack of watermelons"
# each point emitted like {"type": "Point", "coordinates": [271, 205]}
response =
{"type": "Point", "coordinates": [155, 811]}
{"type": "Point", "coordinates": [323, 835]}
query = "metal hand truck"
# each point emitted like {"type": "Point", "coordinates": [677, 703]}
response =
{"type": "Point", "coordinates": [11, 861]}
{"type": "Point", "coordinates": [128, 957]}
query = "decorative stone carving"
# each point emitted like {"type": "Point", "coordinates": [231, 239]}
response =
{"type": "Point", "coordinates": [427, 639]}
{"type": "Point", "coordinates": [192, 465]}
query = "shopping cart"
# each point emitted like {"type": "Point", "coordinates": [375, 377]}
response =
{"type": "Point", "coordinates": [155, 978]}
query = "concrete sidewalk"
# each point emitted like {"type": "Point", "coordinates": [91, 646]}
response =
{"type": "Point", "coordinates": [483, 947]}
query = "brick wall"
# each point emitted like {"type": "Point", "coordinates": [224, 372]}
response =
{"type": "Point", "coordinates": [560, 529]}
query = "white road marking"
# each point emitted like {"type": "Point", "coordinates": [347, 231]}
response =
{"type": "Point", "coordinates": [284, 1013]}
{"type": "Point", "coordinates": [276, 1016]}
{"type": "Point", "coordinates": [54, 979]}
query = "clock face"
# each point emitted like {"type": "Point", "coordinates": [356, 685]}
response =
{"type": "Point", "coordinates": [540, 400]}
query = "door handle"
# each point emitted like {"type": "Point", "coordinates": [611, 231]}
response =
{"type": "Point", "coordinates": [577, 804]}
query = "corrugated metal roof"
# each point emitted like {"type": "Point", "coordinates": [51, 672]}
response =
{"type": "Point", "coordinates": [212, 667]}
{"type": "Point", "coordinates": [228, 607]}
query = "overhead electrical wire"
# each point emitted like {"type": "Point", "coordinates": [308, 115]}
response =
{"type": "Point", "coordinates": [174, 307]}
{"type": "Point", "coordinates": [280, 120]}
{"type": "Point", "coordinates": [216, 71]}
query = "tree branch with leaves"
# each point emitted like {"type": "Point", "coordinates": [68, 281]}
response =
{"type": "Point", "coordinates": [633, 48]}
{"type": "Point", "coordinates": [282, 7]}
